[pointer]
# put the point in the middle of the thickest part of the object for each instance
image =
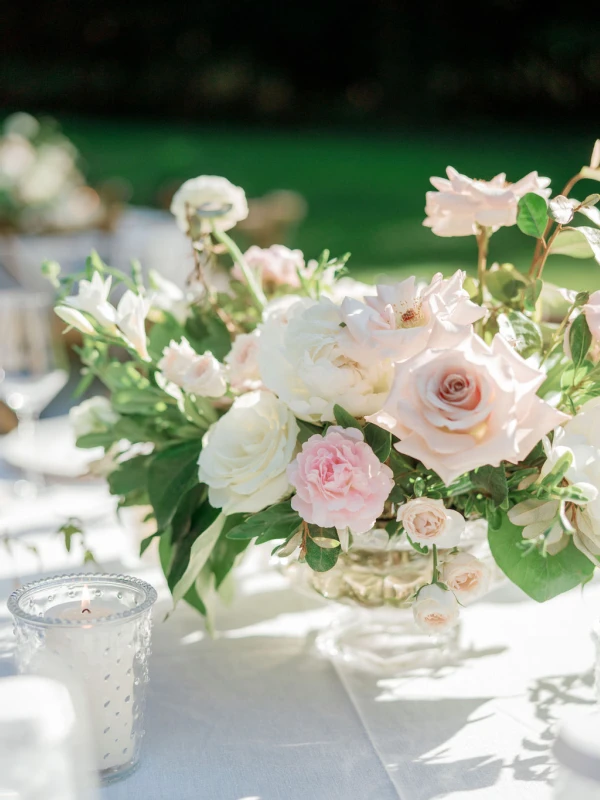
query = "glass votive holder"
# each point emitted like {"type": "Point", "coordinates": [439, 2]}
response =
{"type": "Point", "coordinates": [44, 752]}
{"type": "Point", "coordinates": [93, 631]}
{"type": "Point", "coordinates": [577, 751]}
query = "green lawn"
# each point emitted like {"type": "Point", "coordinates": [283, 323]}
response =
{"type": "Point", "coordinates": [365, 193]}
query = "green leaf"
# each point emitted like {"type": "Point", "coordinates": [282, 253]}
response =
{"type": "Point", "coordinates": [532, 294]}
{"type": "Point", "coordinates": [130, 476]}
{"type": "Point", "coordinates": [532, 215]}
{"type": "Point", "coordinates": [580, 339]}
{"type": "Point", "coordinates": [492, 482]}
{"type": "Point", "coordinates": [145, 543]}
{"type": "Point", "coordinates": [504, 284]}
{"type": "Point", "coordinates": [199, 555]}
{"type": "Point", "coordinates": [226, 552]}
{"type": "Point", "coordinates": [205, 330]}
{"type": "Point", "coordinates": [344, 419]}
{"type": "Point", "coordinates": [379, 440]}
{"type": "Point", "coordinates": [276, 522]}
{"type": "Point", "coordinates": [68, 530]}
{"type": "Point", "coordinates": [189, 523]}
{"type": "Point", "coordinates": [162, 334]}
{"type": "Point", "coordinates": [521, 332]}
{"type": "Point", "coordinates": [575, 243]}
{"type": "Point", "coordinates": [319, 558]}
{"type": "Point", "coordinates": [541, 577]}
{"type": "Point", "coordinates": [148, 401]}
{"type": "Point", "coordinates": [306, 430]}
{"type": "Point", "coordinates": [172, 472]}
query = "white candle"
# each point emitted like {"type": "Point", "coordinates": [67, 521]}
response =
{"type": "Point", "coordinates": [99, 659]}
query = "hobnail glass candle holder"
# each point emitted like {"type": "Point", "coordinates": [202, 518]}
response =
{"type": "Point", "coordinates": [95, 631]}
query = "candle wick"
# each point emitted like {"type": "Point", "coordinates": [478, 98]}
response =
{"type": "Point", "coordinates": [84, 610]}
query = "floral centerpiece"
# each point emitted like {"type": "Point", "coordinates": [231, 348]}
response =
{"type": "Point", "coordinates": [289, 403]}
{"type": "Point", "coordinates": [42, 187]}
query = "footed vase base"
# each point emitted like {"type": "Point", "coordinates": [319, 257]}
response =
{"type": "Point", "coordinates": [385, 640]}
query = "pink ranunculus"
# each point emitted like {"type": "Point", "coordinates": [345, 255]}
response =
{"type": "Point", "coordinates": [276, 266]}
{"type": "Point", "coordinates": [461, 205]}
{"type": "Point", "coordinates": [462, 404]}
{"type": "Point", "coordinates": [398, 321]}
{"type": "Point", "coordinates": [339, 481]}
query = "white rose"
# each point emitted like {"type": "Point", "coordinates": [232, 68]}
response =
{"type": "Point", "coordinates": [92, 297]}
{"type": "Point", "coordinates": [197, 374]}
{"type": "Point", "coordinates": [95, 415]}
{"type": "Point", "coordinates": [429, 522]}
{"type": "Point", "coordinates": [435, 610]}
{"type": "Point", "coordinates": [214, 199]}
{"type": "Point", "coordinates": [242, 362]}
{"type": "Point", "coordinates": [311, 362]}
{"type": "Point", "coordinates": [246, 453]}
{"type": "Point", "coordinates": [466, 576]}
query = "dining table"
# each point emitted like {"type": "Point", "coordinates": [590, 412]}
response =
{"type": "Point", "coordinates": [254, 711]}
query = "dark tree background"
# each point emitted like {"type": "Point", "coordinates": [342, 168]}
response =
{"type": "Point", "coordinates": [304, 63]}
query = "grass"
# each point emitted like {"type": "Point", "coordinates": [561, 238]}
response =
{"type": "Point", "coordinates": [365, 193]}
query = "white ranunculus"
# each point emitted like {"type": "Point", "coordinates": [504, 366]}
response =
{"type": "Point", "coordinates": [95, 415]}
{"type": "Point", "coordinates": [466, 576]}
{"type": "Point", "coordinates": [242, 363]}
{"type": "Point", "coordinates": [581, 436]}
{"type": "Point", "coordinates": [429, 522]}
{"type": "Point", "coordinates": [212, 198]}
{"type": "Point", "coordinates": [197, 374]}
{"type": "Point", "coordinates": [131, 320]}
{"type": "Point", "coordinates": [246, 453]}
{"type": "Point", "coordinates": [92, 297]}
{"type": "Point", "coordinates": [75, 319]}
{"type": "Point", "coordinates": [435, 610]}
{"type": "Point", "coordinates": [311, 362]}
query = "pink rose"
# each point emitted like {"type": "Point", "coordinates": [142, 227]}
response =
{"type": "Point", "coordinates": [242, 363]}
{"type": "Point", "coordinates": [461, 404]}
{"type": "Point", "coordinates": [398, 321]}
{"type": "Point", "coordinates": [276, 266]}
{"type": "Point", "coordinates": [339, 481]}
{"type": "Point", "coordinates": [461, 204]}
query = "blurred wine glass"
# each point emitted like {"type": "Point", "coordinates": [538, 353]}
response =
{"type": "Point", "coordinates": [33, 363]}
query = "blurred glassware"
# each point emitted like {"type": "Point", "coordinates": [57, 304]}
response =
{"type": "Point", "coordinates": [44, 751]}
{"type": "Point", "coordinates": [33, 363]}
{"type": "Point", "coordinates": [577, 751]}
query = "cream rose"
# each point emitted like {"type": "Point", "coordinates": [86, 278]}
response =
{"type": "Point", "coordinates": [214, 199]}
{"type": "Point", "coordinates": [435, 609]}
{"type": "Point", "coordinates": [461, 205]}
{"type": "Point", "coordinates": [429, 522]}
{"type": "Point", "coordinates": [197, 374]}
{"type": "Point", "coordinates": [311, 362]}
{"type": "Point", "coordinates": [461, 404]}
{"type": "Point", "coordinates": [246, 453]}
{"type": "Point", "coordinates": [466, 576]}
{"type": "Point", "coordinates": [275, 266]}
{"type": "Point", "coordinates": [95, 415]}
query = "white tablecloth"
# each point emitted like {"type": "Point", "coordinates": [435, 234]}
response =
{"type": "Point", "coordinates": [256, 714]}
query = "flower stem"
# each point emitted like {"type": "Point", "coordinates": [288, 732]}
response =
{"type": "Point", "coordinates": [483, 239]}
{"type": "Point", "coordinates": [547, 245]}
{"type": "Point", "coordinates": [436, 573]}
{"type": "Point", "coordinates": [236, 254]}
{"type": "Point", "coordinates": [541, 242]}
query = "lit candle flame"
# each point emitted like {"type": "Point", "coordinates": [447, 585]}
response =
{"type": "Point", "coordinates": [86, 599]}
